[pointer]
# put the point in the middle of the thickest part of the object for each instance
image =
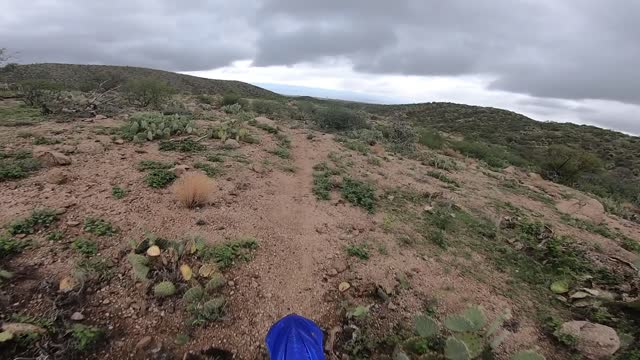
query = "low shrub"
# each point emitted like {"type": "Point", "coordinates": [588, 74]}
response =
{"type": "Point", "coordinates": [145, 92]}
{"type": "Point", "coordinates": [159, 178]}
{"type": "Point", "coordinates": [359, 251]}
{"type": "Point", "coordinates": [211, 171]}
{"type": "Point", "coordinates": [339, 119]}
{"type": "Point", "coordinates": [265, 107]}
{"type": "Point", "coordinates": [194, 189]}
{"type": "Point", "coordinates": [39, 219]}
{"type": "Point", "coordinates": [17, 165]}
{"type": "Point", "coordinates": [99, 227]}
{"type": "Point", "coordinates": [430, 138]}
{"type": "Point", "coordinates": [183, 145]}
{"type": "Point", "coordinates": [359, 193]}
{"type": "Point", "coordinates": [85, 246]}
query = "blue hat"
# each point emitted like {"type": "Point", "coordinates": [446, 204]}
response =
{"type": "Point", "coordinates": [295, 338]}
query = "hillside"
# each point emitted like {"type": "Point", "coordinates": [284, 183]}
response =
{"type": "Point", "coordinates": [78, 76]}
{"type": "Point", "coordinates": [184, 228]}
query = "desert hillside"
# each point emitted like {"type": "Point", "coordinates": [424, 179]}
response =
{"type": "Point", "coordinates": [179, 219]}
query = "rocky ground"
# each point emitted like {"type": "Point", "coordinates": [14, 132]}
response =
{"type": "Point", "coordinates": [301, 263]}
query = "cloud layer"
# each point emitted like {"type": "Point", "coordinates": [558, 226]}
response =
{"type": "Point", "coordinates": [573, 50]}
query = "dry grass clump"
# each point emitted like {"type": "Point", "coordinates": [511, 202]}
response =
{"type": "Point", "coordinates": [194, 189]}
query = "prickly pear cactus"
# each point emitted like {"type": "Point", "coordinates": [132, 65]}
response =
{"type": "Point", "coordinates": [139, 265]}
{"type": "Point", "coordinates": [164, 289]}
{"type": "Point", "coordinates": [217, 281]}
{"type": "Point", "coordinates": [193, 295]}
{"type": "Point", "coordinates": [456, 350]}
{"type": "Point", "coordinates": [426, 326]}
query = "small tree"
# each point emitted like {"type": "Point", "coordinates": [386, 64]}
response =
{"type": "Point", "coordinates": [566, 165]}
{"type": "Point", "coordinates": [145, 92]}
{"type": "Point", "coordinates": [40, 93]}
{"type": "Point", "coordinates": [339, 118]}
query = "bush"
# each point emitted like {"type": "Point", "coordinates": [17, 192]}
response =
{"type": "Point", "coordinates": [566, 165]}
{"type": "Point", "coordinates": [205, 99]}
{"type": "Point", "coordinates": [339, 118]}
{"type": "Point", "coordinates": [401, 136]}
{"type": "Point", "coordinates": [145, 92]}
{"type": "Point", "coordinates": [430, 138]}
{"type": "Point", "coordinates": [17, 165]}
{"type": "Point", "coordinates": [85, 246]}
{"type": "Point", "coordinates": [39, 92]}
{"type": "Point", "coordinates": [359, 193]}
{"type": "Point", "coordinates": [159, 178]}
{"type": "Point", "coordinates": [265, 107]}
{"type": "Point", "coordinates": [9, 246]}
{"type": "Point", "coordinates": [39, 219]}
{"type": "Point", "coordinates": [85, 337]}
{"type": "Point", "coordinates": [185, 145]}
{"type": "Point", "coordinates": [194, 190]}
{"type": "Point", "coordinates": [229, 99]}
{"type": "Point", "coordinates": [359, 251]}
{"type": "Point", "coordinates": [232, 109]}
{"type": "Point", "coordinates": [494, 156]}
{"type": "Point", "coordinates": [99, 227]}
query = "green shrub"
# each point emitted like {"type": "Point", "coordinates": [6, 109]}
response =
{"type": "Point", "coordinates": [149, 126]}
{"type": "Point", "coordinates": [230, 99]}
{"type": "Point", "coordinates": [339, 118]}
{"type": "Point", "coordinates": [401, 136]}
{"type": "Point", "coordinates": [430, 138]}
{"type": "Point", "coordinates": [211, 171]}
{"type": "Point", "coordinates": [360, 251]}
{"type": "Point", "coordinates": [281, 152]}
{"type": "Point", "coordinates": [146, 165]}
{"type": "Point", "coordinates": [183, 145]}
{"type": "Point", "coordinates": [99, 227]}
{"type": "Point", "coordinates": [55, 235]}
{"type": "Point", "coordinates": [9, 246]}
{"type": "Point", "coordinates": [443, 177]}
{"type": "Point", "coordinates": [159, 178]}
{"type": "Point", "coordinates": [39, 219]}
{"type": "Point", "coordinates": [39, 92]}
{"type": "Point", "coordinates": [494, 156]}
{"type": "Point", "coordinates": [41, 140]}
{"type": "Point", "coordinates": [204, 99]}
{"type": "Point", "coordinates": [17, 165]}
{"type": "Point", "coordinates": [232, 109]}
{"type": "Point", "coordinates": [85, 246]}
{"type": "Point", "coordinates": [359, 193]}
{"type": "Point", "coordinates": [225, 254]}
{"type": "Point", "coordinates": [265, 107]}
{"type": "Point", "coordinates": [145, 92]}
{"type": "Point", "coordinates": [322, 181]}
{"type": "Point", "coordinates": [565, 164]}
{"type": "Point", "coordinates": [86, 337]}
{"type": "Point", "coordinates": [118, 193]}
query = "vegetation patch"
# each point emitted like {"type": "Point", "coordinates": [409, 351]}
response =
{"type": "Point", "coordinates": [85, 246]}
{"type": "Point", "coordinates": [159, 178]}
{"type": "Point", "coordinates": [210, 170]}
{"type": "Point", "coordinates": [359, 193]}
{"type": "Point", "coordinates": [360, 251]}
{"type": "Point", "coordinates": [337, 118]}
{"type": "Point", "coordinates": [99, 227]}
{"type": "Point", "coordinates": [146, 165]}
{"type": "Point", "coordinates": [19, 115]}
{"type": "Point", "coordinates": [149, 126]}
{"type": "Point", "coordinates": [225, 255]}
{"type": "Point", "coordinates": [38, 220]}
{"type": "Point", "coordinates": [184, 145]}
{"type": "Point", "coordinates": [118, 192]}
{"type": "Point", "coordinates": [322, 184]}
{"type": "Point", "coordinates": [10, 246]}
{"type": "Point", "coordinates": [443, 177]}
{"type": "Point", "coordinates": [17, 165]}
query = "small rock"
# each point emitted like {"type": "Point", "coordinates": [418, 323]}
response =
{"type": "Point", "coordinates": [67, 149]}
{"type": "Point", "coordinates": [77, 316]}
{"type": "Point", "coordinates": [73, 223]}
{"type": "Point", "coordinates": [143, 343]}
{"type": "Point", "coordinates": [392, 306]}
{"type": "Point", "coordinates": [333, 272]}
{"type": "Point", "coordinates": [254, 284]}
{"type": "Point", "coordinates": [100, 117]}
{"type": "Point", "coordinates": [594, 341]}
{"type": "Point", "coordinates": [67, 284]}
{"type": "Point", "coordinates": [201, 222]}
{"type": "Point", "coordinates": [118, 141]}
{"type": "Point", "coordinates": [57, 177]}
{"type": "Point", "coordinates": [344, 237]}
{"type": "Point", "coordinates": [180, 170]}
{"type": "Point", "coordinates": [52, 158]}
{"type": "Point", "coordinates": [344, 286]}
{"type": "Point", "coordinates": [231, 283]}
{"type": "Point", "coordinates": [231, 144]}
{"type": "Point", "coordinates": [219, 227]}
{"type": "Point", "coordinates": [321, 229]}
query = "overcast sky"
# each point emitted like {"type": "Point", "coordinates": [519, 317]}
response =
{"type": "Point", "coordinates": [569, 60]}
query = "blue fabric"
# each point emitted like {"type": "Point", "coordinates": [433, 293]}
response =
{"type": "Point", "coordinates": [295, 338]}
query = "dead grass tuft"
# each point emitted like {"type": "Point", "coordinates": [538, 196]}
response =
{"type": "Point", "coordinates": [194, 189]}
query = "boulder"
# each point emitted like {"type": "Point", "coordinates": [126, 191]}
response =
{"type": "Point", "coordinates": [594, 341]}
{"type": "Point", "coordinates": [231, 144]}
{"type": "Point", "coordinates": [584, 208]}
{"type": "Point", "coordinates": [57, 177]}
{"type": "Point", "coordinates": [52, 157]}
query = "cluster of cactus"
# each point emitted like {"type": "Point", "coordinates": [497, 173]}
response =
{"type": "Point", "coordinates": [149, 126]}
{"type": "Point", "coordinates": [164, 289]}
{"type": "Point", "coordinates": [140, 265]}
{"type": "Point", "coordinates": [203, 304]}
{"type": "Point", "coordinates": [469, 337]}
{"type": "Point", "coordinates": [231, 130]}
{"type": "Point", "coordinates": [232, 109]}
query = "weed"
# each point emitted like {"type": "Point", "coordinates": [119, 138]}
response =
{"type": "Point", "coordinates": [438, 237]}
{"type": "Point", "coordinates": [159, 178]}
{"type": "Point", "coordinates": [600, 229]}
{"type": "Point", "coordinates": [225, 254]}
{"type": "Point", "coordinates": [430, 138]}
{"type": "Point", "coordinates": [17, 165]}
{"type": "Point", "coordinates": [96, 267]}
{"type": "Point", "coordinates": [39, 219]}
{"type": "Point", "coordinates": [55, 235]}
{"type": "Point", "coordinates": [322, 182]}
{"type": "Point", "coordinates": [360, 251]}
{"type": "Point", "coordinates": [86, 337]}
{"type": "Point", "coordinates": [359, 193]}
{"type": "Point", "coordinates": [10, 246]}
{"type": "Point", "coordinates": [19, 115]}
{"type": "Point", "coordinates": [441, 163]}
{"type": "Point", "coordinates": [630, 244]}
{"type": "Point", "coordinates": [118, 193]}
{"type": "Point", "coordinates": [232, 109]}
{"type": "Point", "coordinates": [339, 118]}
{"type": "Point", "coordinates": [375, 161]}
{"type": "Point", "coordinates": [146, 165]}
{"type": "Point", "coordinates": [85, 246]}
{"type": "Point", "coordinates": [194, 190]}
{"type": "Point", "coordinates": [215, 158]}
{"type": "Point", "coordinates": [211, 171]}
{"type": "Point", "coordinates": [41, 140]}
{"type": "Point", "coordinates": [185, 145]}
{"type": "Point", "coordinates": [283, 140]}
{"type": "Point", "coordinates": [281, 152]}
{"type": "Point", "coordinates": [443, 177]}
{"type": "Point", "coordinates": [388, 223]}
{"type": "Point", "coordinates": [99, 227]}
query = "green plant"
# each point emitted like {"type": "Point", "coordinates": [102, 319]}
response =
{"type": "Point", "coordinates": [39, 219]}
{"type": "Point", "coordinates": [139, 264]}
{"type": "Point", "coordinates": [17, 165]}
{"type": "Point", "coordinates": [149, 126]}
{"type": "Point", "coordinates": [85, 337]}
{"type": "Point", "coordinates": [322, 181]}
{"type": "Point", "coordinates": [360, 251]}
{"type": "Point", "coordinates": [41, 140]}
{"type": "Point", "coordinates": [265, 107]}
{"type": "Point", "coordinates": [470, 339]}
{"type": "Point", "coordinates": [183, 145]}
{"type": "Point", "coordinates": [118, 193]}
{"type": "Point", "coordinates": [359, 193]}
{"type": "Point", "coordinates": [281, 152]}
{"type": "Point", "coordinates": [96, 267]}
{"type": "Point", "coordinates": [266, 127]}
{"type": "Point", "coordinates": [204, 99]}
{"type": "Point", "coordinates": [146, 165]}
{"type": "Point", "coordinates": [193, 295]}
{"type": "Point", "coordinates": [55, 235]}
{"type": "Point", "coordinates": [10, 246]}
{"type": "Point", "coordinates": [430, 138]}
{"type": "Point", "coordinates": [443, 177]}
{"type": "Point", "coordinates": [159, 178]}
{"type": "Point", "coordinates": [99, 227]}
{"type": "Point", "coordinates": [401, 136]}
{"type": "Point", "coordinates": [225, 254]}
{"type": "Point", "coordinates": [145, 92]}
{"type": "Point", "coordinates": [211, 171]}
{"type": "Point", "coordinates": [164, 289]}
{"type": "Point", "coordinates": [85, 246]}
{"type": "Point", "coordinates": [339, 118]}
{"type": "Point", "coordinates": [230, 99]}
{"type": "Point", "coordinates": [216, 282]}
{"type": "Point", "coordinates": [232, 109]}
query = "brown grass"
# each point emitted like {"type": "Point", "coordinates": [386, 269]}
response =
{"type": "Point", "coordinates": [194, 189]}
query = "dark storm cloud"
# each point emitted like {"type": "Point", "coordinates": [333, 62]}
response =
{"type": "Point", "coordinates": [190, 35]}
{"type": "Point", "coordinates": [559, 49]}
